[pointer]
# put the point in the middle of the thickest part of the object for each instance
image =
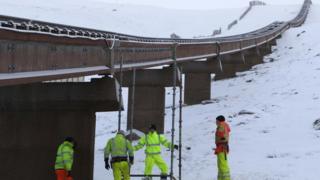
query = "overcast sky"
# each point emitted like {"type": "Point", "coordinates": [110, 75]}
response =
{"type": "Point", "coordinates": [199, 4]}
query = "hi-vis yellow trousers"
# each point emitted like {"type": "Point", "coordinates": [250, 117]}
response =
{"type": "Point", "coordinates": [152, 160]}
{"type": "Point", "coordinates": [121, 169]}
{"type": "Point", "coordinates": [223, 167]}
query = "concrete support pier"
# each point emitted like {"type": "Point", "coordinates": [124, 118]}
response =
{"type": "Point", "coordinates": [231, 63]}
{"type": "Point", "coordinates": [35, 119]}
{"type": "Point", "coordinates": [149, 103]}
{"type": "Point", "coordinates": [265, 49]}
{"type": "Point", "coordinates": [197, 82]}
{"type": "Point", "coordinates": [252, 57]}
{"type": "Point", "coordinates": [197, 88]}
{"type": "Point", "coordinates": [149, 108]}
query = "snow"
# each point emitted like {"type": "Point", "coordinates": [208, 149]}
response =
{"type": "Point", "coordinates": [260, 16]}
{"type": "Point", "coordinates": [145, 20]}
{"type": "Point", "coordinates": [277, 142]}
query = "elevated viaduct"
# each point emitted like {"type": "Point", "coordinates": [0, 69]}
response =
{"type": "Point", "coordinates": [36, 115]}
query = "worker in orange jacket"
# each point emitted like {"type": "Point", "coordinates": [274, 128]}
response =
{"type": "Point", "coordinates": [222, 148]}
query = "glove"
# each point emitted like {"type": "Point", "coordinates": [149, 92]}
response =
{"type": "Point", "coordinates": [176, 147]}
{"type": "Point", "coordinates": [131, 160]}
{"type": "Point", "coordinates": [69, 174]}
{"type": "Point", "coordinates": [106, 161]}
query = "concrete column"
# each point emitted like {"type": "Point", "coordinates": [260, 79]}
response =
{"type": "Point", "coordinates": [197, 87]}
{"type": "Point", "coordinates": [239, 61]}
{"type": "Point", "coordinates": [149, 106]}
{"type": "Point", "coordinates": [231, 63]}
{"type": "Point", "coordinates": [197, 82]}
{"type": "Point", "coordinates": [29, 141]}
{"type": "Point", "coordinates": [252, 57]}
{"type": "Point", "coordinates": [35, 119]}
{"type": "Point", "coordinates": [228, 67]}
{"type": "Point", "coordinates": [273, 42]}
{"type": "Point", "coordinates": [149, 97]}
{"type": "Point", "coordinates": [265, 49]}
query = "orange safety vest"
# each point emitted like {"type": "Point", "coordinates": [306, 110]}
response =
{"type": "Point", "coordinates": [222, 137]}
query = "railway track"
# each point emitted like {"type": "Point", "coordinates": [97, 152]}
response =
{"type": "Point", "coordinates": [33, 51]}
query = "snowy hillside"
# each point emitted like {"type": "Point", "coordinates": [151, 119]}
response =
{"type": "Point", "coordinates": [145, 20]}
{"type": "Point", "coordinates": [260, 16]}
{"type": "Point", "coordinates": [277, 142]}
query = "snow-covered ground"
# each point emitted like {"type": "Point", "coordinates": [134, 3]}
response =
{"type": "Point", "coordinates": [277, 142]}
{"type": "Point", "coordinates": [146, 20]}
{"type": "Point", "coordinates": [260, 16]}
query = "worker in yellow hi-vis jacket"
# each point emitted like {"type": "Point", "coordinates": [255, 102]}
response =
{"type": "Point", "coordinates": [120, 149]}
{"type": "Point", "coordinates": [64, 159]}
{"type": "Point", "coordinates": [152, 141]}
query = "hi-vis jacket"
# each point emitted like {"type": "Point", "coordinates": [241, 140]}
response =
{"type": "Point", "coordinates": [222, 137]}
{"type": "Point", "coordinates": [152, 141]}
{"type": "Point", "coordinates": [118, 147]}
{"type": "Point", "coordinates": [64, 158]}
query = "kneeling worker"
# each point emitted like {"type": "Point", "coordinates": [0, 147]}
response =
{"type": "Point", "coordinates": [120, 149]}
{"type": "Point", "coordinates": [152, 141]}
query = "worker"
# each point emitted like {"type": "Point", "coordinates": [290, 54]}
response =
{"type": "Point", "coordinates": [222, 148]}
{"type": "Point", "coordinates": [152, 141]}
{"type": "Point", "coordinates": [120, 149]}
{"type": "Point", "coordinates": [64, 159]}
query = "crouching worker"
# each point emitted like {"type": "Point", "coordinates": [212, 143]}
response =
{"type": "Point", "coordinates": [152, 141]}
{"type": "Point", "coordinates": [120, 150]}
{"type": "Point", "coordinates": [64, 159]}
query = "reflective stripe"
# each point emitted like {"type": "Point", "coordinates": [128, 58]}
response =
{"type": "Point", "coordinates": [63, 153]}
{"type": "Point", "coordinates": [153, 145]}
{"type": "Point", "coordinates": [119, 156]}
{"type": "Point", "coordinates": [147, 144]}
{"type": "Point", "coordinates": [153, 153]}
{"type": "Point", "coordinates": [115, 149]}
{"type": "Point", "coordinates": [64, 156]}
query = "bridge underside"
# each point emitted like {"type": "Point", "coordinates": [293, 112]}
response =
{"type": "Point", "coordinates": [36, 118]}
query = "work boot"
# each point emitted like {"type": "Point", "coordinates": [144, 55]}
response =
{"type": "Point", "coordinates": [163, 177]}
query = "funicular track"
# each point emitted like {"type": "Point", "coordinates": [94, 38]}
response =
{"type": "Point", "coordinates": [35, 51]}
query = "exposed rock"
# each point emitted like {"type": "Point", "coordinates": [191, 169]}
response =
{"type": "Point", "coordinates": [299, 34]}
{"type": "Point", "coordinates": [245, 112]}
{"type": "Point", "coordinates": [241, 123]}
{"type": "Point", "coordinates": [210, 101]}
{"type": "Point", "coordinates": [264, 131]}
{"type": "Point", "coordinates": [316, 124]}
